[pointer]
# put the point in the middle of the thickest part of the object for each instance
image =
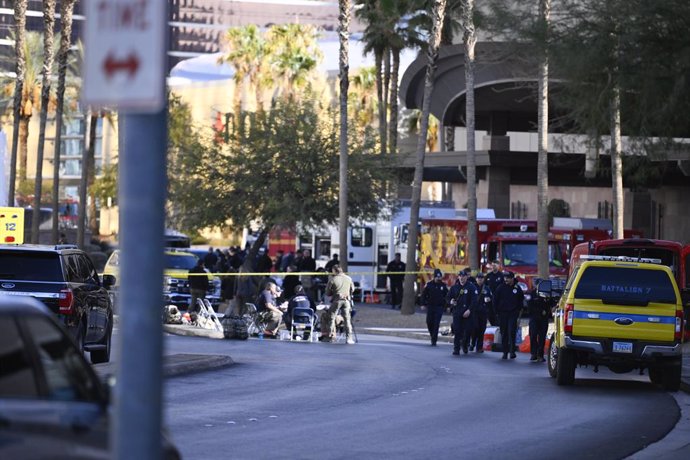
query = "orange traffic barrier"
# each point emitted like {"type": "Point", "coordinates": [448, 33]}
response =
{"type": "Point", "coordinates": [524, 346]}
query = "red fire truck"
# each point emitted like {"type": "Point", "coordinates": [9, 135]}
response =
{"type": "Point", "coordinates": [511, 242]}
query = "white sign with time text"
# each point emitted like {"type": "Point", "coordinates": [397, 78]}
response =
{"type": "Point", "coordinates": [125, 59]}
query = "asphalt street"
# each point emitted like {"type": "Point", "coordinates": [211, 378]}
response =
{"type": "Point", "coordinates": [390, 395]}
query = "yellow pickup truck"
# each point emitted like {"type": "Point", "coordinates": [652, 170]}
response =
{"type": "Point", "coordinates": [622, 313]}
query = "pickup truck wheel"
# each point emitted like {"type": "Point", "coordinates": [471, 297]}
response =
{"type": "Point", "coordinates": [565, 370]}
{"type": "Point", "coordinates": [552, 360]}
{"type": "Point", "coordinates": [103, 356]}
{"type": "Point", "coordinates": [671, 375]}
{"type": "Point", "coordinates": [655, 374]}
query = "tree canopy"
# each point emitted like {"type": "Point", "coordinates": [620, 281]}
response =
{"type": "Point", "coordinates": [280, 168]}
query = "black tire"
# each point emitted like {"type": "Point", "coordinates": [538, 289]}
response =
{"type": "Point", "coordinates": [81, 337]}
{"type": "Point", "coordinates": [103, 356]}
{"type": "Point", "coordinates": [671, 375]}
{"type": "Point", "coordinates": [552, 357]}
{"type": "Point", "coordinates": [565, 371]}
{"type": "Point", "coordinates": [655, 375]}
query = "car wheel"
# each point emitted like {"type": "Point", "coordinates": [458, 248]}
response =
{"type": "Point", "coordinates": [552, 361]}
{"type": "Point", "coordinates": [103, 356]}
{"type": "Point", "coordinates": [81, 337]}
{"type": "Point", "coordinates": [671, 375]}
{"type": "Point", "coordinates": [565, 369]}
{"type": "Point", "coordinates": [655, 374]}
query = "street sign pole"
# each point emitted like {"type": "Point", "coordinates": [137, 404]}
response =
{"type": "Point", "coordinates": [138, 402]}
{"type": "Point", "coordinates": [125, 68]}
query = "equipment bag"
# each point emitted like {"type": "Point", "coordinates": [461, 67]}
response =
{"type": "Point", "coordinates": [234, 327]}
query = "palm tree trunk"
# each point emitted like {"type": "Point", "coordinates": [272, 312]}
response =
{"type": "Point", "coordinates": [380, 97]}
{"type": "Point", "coordinates": [438, 13]}
{"type": "Point", "coordinates": [344, 34]}
{"type": "Point", "coordinates": [386, 94]}
{"type": "Point", "coordinates": [66, 9]}
{"type": "Point", "coordinates": [469, 42]}
{"type": "Point", "coordinates": [543, 151]}
{"type": "Point", "coordinates": [617, 164]}
{"type": "Point", "coordinates": [23, 147]}
{"type": "Point", "coordinates": [83, 183]}
{"type": "Point", "coordinates": [48, 34]}
{"type": "Point", "coordinates": [393, 125]}
{"type": "Point", "coordinates": [20, 70]}
{"type": "Point", "coordinates": [91, 177]}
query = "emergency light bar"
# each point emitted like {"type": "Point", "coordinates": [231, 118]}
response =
{"type": "Point", "coordinates": [621, 259]}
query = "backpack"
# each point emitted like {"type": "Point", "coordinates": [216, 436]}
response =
{"type": "Point", "coordinates": [234, 327]}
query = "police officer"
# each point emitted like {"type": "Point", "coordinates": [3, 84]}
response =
{"type": "Point", "coordinates": [481, 313]}
{"type": "Point", "coordinates": [434, 300]}
{"type": "Point", "coordinates": [396, 268]}
{"type": "Point", "coordinates": [495, 277]}
{"type": "Point", "coordinates": [539, 314]}
{"type": "Point", "coordinates": [463, 306]}
{"type": "Point", "coordinates": [508, 300]}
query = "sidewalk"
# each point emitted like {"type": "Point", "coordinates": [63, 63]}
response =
{"type": "Point", "coordinates": [377, 319]}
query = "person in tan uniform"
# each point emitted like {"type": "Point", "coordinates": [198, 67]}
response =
{"type": "Point", "coordinates": [340, 287]}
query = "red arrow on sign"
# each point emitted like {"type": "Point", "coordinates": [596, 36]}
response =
{"type": "Point", "coordinates": [111, 65]}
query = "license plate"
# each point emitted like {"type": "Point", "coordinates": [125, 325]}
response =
{"type": "Point", "coordinates": [622, 347]}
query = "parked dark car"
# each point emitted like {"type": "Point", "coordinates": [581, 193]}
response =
{"type": "Point", "coordinates": [65, 280]}
{"type": "Point", "coordinates": [52, 404]}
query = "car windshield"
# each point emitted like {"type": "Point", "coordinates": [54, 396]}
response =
{"type": "Point", "coordinates": [30, 266]}
{"type": "Point", "coordinates": [180, 261]}
{"type": "Point", "coordinates": [627, 286]}
{"type": "Point", "coordinates": [525, 253]}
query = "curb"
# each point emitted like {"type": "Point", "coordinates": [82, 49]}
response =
{"type": "Point", "coordinates": [188, 364]}
{"type": "Point", "coordinates": [192, 331]}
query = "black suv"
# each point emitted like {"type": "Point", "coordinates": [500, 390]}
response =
{"type": "Point", "coordinates": [65, 280]}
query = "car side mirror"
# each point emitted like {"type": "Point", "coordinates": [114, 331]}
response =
{"type": "Point", "coordinates": [544, 288]}
{"type": "Point", "coordinates": [108, 281]}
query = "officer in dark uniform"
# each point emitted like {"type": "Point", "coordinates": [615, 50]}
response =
{"type": "Point", "coordinates": [434, 300]}
{"type": "Point", "coordinates": [463, 306]}
{"type": "Point", "coordinates": [481, 312]}
{"type": "Point", "coordinates": [495, 277]}
{"type": "Point", "coordinates": [539, 314]}
{"type": "Point", "coordinates": [396, 267]}
{"type": "Point", "coordinates": [508, 300]}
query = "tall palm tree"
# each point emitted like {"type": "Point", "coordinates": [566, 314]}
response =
{"type": "Point", "coordinates": [66, 9]}
{"type": "Point", "coordinates": [48, 55]}
{"type": "Point", "coordinates": [469, 41]}
{"type": "Point", "coordinates": [543, 146]}
{"type": "Point", "coordinates": [438, 13]}
{"type": "Point", "coordinates": [20, 70]}
{"type": "Point", "coordinates": [375, 39]}
{"type": "Point", "coordinates": [87, 166]}
{"type": "Point", "coordinates": [345, 8]}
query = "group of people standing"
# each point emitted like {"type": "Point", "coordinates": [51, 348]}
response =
{"type": "Point", "coordinates": [494, 297]}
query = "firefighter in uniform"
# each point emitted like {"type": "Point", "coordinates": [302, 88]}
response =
{"type": "Point", "coordinates": [539, 314]}
{"type": "Point", "coordinates": [434, 300]}
{"type": "Point", "coordinates": [481, 313]}
{"type": "Point", "coordinates": [508, 301]}
{"type": "Point", "coordinates": [463, 306]}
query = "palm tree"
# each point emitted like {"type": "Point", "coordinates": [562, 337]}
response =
{"type": "Point", "coordinates": [295, 54]}
{"type": "Point", "coordinates": [243, 44]}
{"type": "Point", "coordinates": [87, 172]}
{"type": "Point", "coordinates": [48, 55]}
{"type": "Point", "coordinates": [363, 103]}
{"type": "Point", "coordinates": [376, 40]}
{"type": "Point", "coordinates": [543, 149]}
{"type": "Point", "coordinates": [438, 14]}
{"type": "Point", "coordinates": [343, 64]}
{"type": "Point", "coordinates": [66, 9]}
{"type": "Point", "coordinates": [469, 41]}
{"type": "Point", "coordinates": [20, 70]}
